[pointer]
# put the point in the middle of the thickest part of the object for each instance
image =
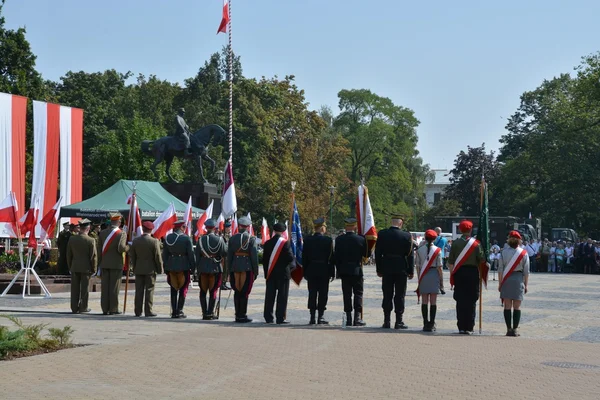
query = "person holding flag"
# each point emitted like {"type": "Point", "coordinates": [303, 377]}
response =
{"type": "Point", "coordinates": [210, 251]}
{"type": "Point", "coordinates": [431, 278]}
{"type": "Point", "coordinates": [466, 254]}
{"type": "Point", "coordinates": [82, 260]}
{"type": "Point", "coordinates": [513, 273]}
{"type": "Point", "coordinates": [111, 249]}
{"type": "Point", "coordinates": [278, 260]}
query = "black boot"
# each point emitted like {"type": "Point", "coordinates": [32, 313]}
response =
{"type": "Point", "coordinates": [399, 324]}
{"type": "Point", "coordinates": [312, 318]}
{"type": "Point", "coordinates": [425, 320]}
{"type": "Point", "coordinates": [211, 308]}
{"type": "Point", "coordinates": [180, 304]}
{"type": "Point", "coordinates": [348, 319]}
{"type": "Point", "coordinates": [321, 320]}
{"type": "Point", "coordinates": [236, 304]}
{"type": "Point", "coordinates": [243, 310]}
{"type": "Point", "coordinates": [357, 320]}
{"type": "Point", "coordinates": [432, 312]}
{"type": "Point", "coordinates": [174, 313]}
{"type": "Point", "coordinates": [386, 320]}
{"type": "Point", "coordinates": [205, 312]}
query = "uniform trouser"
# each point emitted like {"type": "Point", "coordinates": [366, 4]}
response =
{"type": "Point", "coordinates": [394, 291]}
{"type": "Point", "coordinates": [209, 283]}
{"type": "Point", "coordinates": [532, 264]}
{"type": "Point", "coordinates": [242, 286]}
{"type": "Point", "coordinates": [63, 268]}
{"type": "Point", "coordinates": [276, 288]}
{"type": "Point", "coordinates": [352, 284]}
{"type": "Point", "coordinates": [178, 295]}
{"type": "Point", "coordinates": [318, 292]}
{"type": "Point", "coordinates": [544, 266]}
{"type": "Point", "coordinates": [111, 286]}
{"type": "Point", "coordinates": [466, 294]}
{"type": "Point", "coordinates": [144, 293]}
{"type": "Point", "coordinates": [80, 284]}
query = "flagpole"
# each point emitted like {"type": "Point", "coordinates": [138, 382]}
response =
{"type": "Point", "coordinates": [362, 227]}
{"type": "Point", "coordinates": [230, 87]}
{"type": "Point", "coordinates": [130, 223]}
{"type": "Point", "coordinates": [480, 273]}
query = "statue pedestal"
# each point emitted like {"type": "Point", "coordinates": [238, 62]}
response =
{"type": "Point", "coordinates": [202, 194]}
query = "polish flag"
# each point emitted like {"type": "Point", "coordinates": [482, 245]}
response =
{"type": "Point", "coordinates": [224, 18]}
{"type": "Point", "coordinates": [136, 222]}
{"type": "Point", "coordinates": [48, 223]}
{"type": "Point", "coordinates": [200, 229]}
{"type": "Point", "coordinates": [164, 223]}
{"type": "Point", "coordinates": [26, 223]}
{"type": "Point", "coordinates": [8, 215]}
{"type": "Point", "coordinates": [187, 217]}
{"type": "Point", "coordinates": [264, 232]}
{"type": "Point", "coordinates": [33, 220]}
{"type": "Point", "coordinates": [234, 225]}
{"type": "Point", "coordinates": [250, 228]}
{"type": "Point", "coordinates": [229, 199]}
{"type": "Point", "coordinates": [221, 222]}
{"type": "Point", "coordinates": [13, 112]}
{"type": "Point", "coordinates": [364, 217]}
{"type": "Point", "coordinates": [285, 234]}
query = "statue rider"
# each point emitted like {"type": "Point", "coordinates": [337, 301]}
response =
{"type": "Point", "coordinates": [182, 133]}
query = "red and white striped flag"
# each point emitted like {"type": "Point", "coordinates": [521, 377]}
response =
{"type": "Point", "coordinates": [8, 215]}
{"type": "Point", "coordinates": [221, 222]}
{"type": "Point", "coordinates": [229, 203]}
{"type": "Point", "coordinates": [234, 225]}
{"type": "Point", "coordinates": [136, 221]}
{"type": "Point", "coordinates": [250, 228]}
{"type": "Point", "coordinates": [364, 217]}
{"type": "Point", "coordinates": [26, 223]}
{"type": "Point", "coordinates": [164, 223]}
{"type": "Point", "coordinates": [187, 217]}
{"type": "Point", "coordinates": [264, 232]}
{"type": "Point", "coordinates": [33, 219]}
{"type": "Point", "coordinates": [200, 229]}
{"type": "Point", "coordinates": [224, 18]}
{"type": "Point", "coordinates": [48, 223]}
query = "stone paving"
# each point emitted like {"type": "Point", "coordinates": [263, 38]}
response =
{"type": "Point", "coordinates": [557, 356]}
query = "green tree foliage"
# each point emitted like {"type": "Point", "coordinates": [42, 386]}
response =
{"type": "Point", "coordinates": [443, 208]}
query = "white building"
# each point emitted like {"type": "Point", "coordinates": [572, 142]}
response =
{"type": "Point", "coordinates": [434, 190]}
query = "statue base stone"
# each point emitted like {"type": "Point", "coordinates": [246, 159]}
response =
{"type": "Point", "coordinates": [202, 194]}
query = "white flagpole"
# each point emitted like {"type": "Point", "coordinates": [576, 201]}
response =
{"type": "Point", "coordinates": [230, 88]}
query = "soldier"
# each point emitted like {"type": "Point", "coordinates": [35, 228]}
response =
{"type": "Point", "coordinates": [319, 268]}
{"type": "Point", "coordinates": [147, 262]}
{"type": "Point", "coordinates": [466, 255]}
{"type": "Point", "coordinates": [394, 261]}
{"type": "Point", "coordinates": [61, 243]}
{"type": "Point", "coordinates": [226, 235]}
{"type": "Point", "coordinates": [350, 249]}
{"type": "Point", "coordinates": [94, 232]}
{"type": "Point", "coordinates": [278, 260]}
{"type": "Point", "coordinates": [209, 256]}
{"type": "Point", "coordinates": [242, 264]}
{"type": "Point", "coordinates": [179, 260]}
{"type": "Point", "coordinates": [112, 245]}
{"type": "Point", "coordinates": [82, 260]}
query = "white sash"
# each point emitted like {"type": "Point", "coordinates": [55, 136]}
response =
{"type": "Point", "coordinates": [275, 254]}
{"type": "Point", "coordinates": [109, 239]}
{"type": "Point", "coordinates": [429, 262]}
{"type": "Point", "coordinates": [464, 252]}
{"type": "Point", "coordinates": [512, 264]}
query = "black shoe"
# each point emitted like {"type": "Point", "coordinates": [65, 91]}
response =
{"type": "Point", "coordinates": [87, 310]}
{"type": "Point", "coordinates": [359, 322]}
{"type": "Point", "coordinates": [509, 332]}
{"type": "Point", "coordinates": [271, 322]}
{"type": "Point", "coordinates": [75, 312]}
{"type": "Point", "coordinates": [400, 325]}
{"type": "Point", "coordinates": [312, 321]}
{"type": "Point", "coordinates": [174, 315]}
{"type": "Point", "coordinates": [283, 322]}
{"type": "Point", "coordinates": [104, 313]}
{"type": "Point", "coordinates": [181, 315]}
{"type": "Point", "coordinates": [206, 318]}
{"type": "Point", "coordinates": [138, 315]}
{"type": "Point", "coordinates": [432, 327]}
{"type": "Point", "coordinates": [150, 315]}
{"type": "Point", "coordinates": [322, 321]}
{"type": "Point", "coordinates": [386, 325]}
{"type": "Point", "coordinates": [244, 320]}
{"type": "Point", "coordinates": [115, 313]}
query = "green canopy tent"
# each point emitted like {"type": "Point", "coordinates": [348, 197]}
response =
{"type": "Point", "coordinates": [152, 200]}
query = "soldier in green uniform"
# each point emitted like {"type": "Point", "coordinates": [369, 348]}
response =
{"type": "Point", "coordinates": [61, 243]}
{"type": "Point", "coordinates": [111, 250]}
{"type": "Point", "coordinates": [179, 260]}
{"type": "Point", "coordinates": [147, 261]}
{"type": "Point", "coordinates": [242, 264]}
{"type": "Point", "coordinates": [82, 261]}
{"type": "Point", "coordinates": [210, 251]}
{"type": "Point", "coordinates": [95, 231]}
{"type": "Point", "coordinates": [466, 255]}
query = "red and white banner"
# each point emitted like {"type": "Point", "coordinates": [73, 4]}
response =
{"type": "Point", "coordinates": [264, 231]}
{"type": "Point", "coordinates": [364, 217]}
{"type": "Point", "coordinates": [48, 222]}
{"type": "Point", "coordinates": [187, 217]}
{"type": "Point", "coordinates": [136, 221]}
{"type": "Point", "coordinates": [8, 215]}
{"type": "Point", "coordinates": [221, 222]}
{"type": "Point", "coordinates": [32, 242]}
{"type": "Point", "coordinates": [71, 154]}
{"type": "Point", "coordinates": [13, 112]}
{"type": "Point", "coordinates": [164, 223]}
{"type": "Point", "coordinates": [27, 222]}
{"type": "Point", "coordinates": [200, 229]}
{"type": "Point", "coordinates": [234, 225]}
{"type": "Point", "coordinates": [224, 18]}
{"type": "Point", "coordinates": [229, 203]}
{"type": "Point", "coordinates": [250, 228]}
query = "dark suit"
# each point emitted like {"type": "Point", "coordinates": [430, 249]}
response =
{"type": "Point", "coordinates": [350, 249]}
{"type": "Point", "coordinates": [178, 257]}
{"type": "Point", "coordinates": [62, 242]}
{"type": "Point", "coordinates": [394, 259]}
{"type": "Point", "coordinates": [210, 252]}
{"type": "Point", "coordinates": [242, 265]}
{"type": "Point", "coordinates": [319, 266]}
{"type": "Point", "coordinates": [278, 280]}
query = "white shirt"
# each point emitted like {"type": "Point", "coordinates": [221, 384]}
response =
{"type": "Point", "coordinates": [530, 250]}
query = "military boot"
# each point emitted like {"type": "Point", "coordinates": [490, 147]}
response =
{"type": "Point", "coordinates": [386, 320]}
{"type": "Point", "coordinates": [205, 311]}
{"type": "Point", "coordinates": [174, 313]}
{"type": "Point", "coordinates": [348, 319]}
{"type": "Point", "coordinates": [321, 320]}
{"type": "Point", "coordinates": [211, 308]}
{"type": "Point", "coordinates": [399, 323]}
{"type": "Point", "coordinates": [180, 305]}
{"type": "Point", "coordinates": [357, 320]}
{"type": "Point", "coordinates": [312, 318]}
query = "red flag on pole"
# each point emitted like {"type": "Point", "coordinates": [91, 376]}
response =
{"type": "Point", "coordinates": [48, 222]}
{"type": "Point", "coordinates": [225, 18]}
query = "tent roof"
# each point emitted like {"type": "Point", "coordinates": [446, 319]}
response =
{"type": "Point", "coordinates": [152, 200]}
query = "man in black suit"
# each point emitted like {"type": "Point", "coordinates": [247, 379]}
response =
{"type": "Point", "coordinates": [350, 249]}
{"type": "Point", "coordinates": [278, 260]}
{"type": "Point", "coordinates": [395, 263]}
{"type": "Point", "coordinates": [319, 268]}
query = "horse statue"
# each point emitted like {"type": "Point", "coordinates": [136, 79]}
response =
{"type": "Point", "coordinates": [168, 147]}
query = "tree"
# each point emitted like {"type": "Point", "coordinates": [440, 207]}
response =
{"type": "Point", "coordinates": [443, 208]}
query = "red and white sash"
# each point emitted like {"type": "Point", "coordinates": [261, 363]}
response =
{"type": "Point", "coordinates": [109, 239]}
{"type": "Point", "coordinates": [434, 251]}
{"type": "Point", "coordinates": [275, 254]}
{"type": "Point", "coordinates": [512, 264]}
{"type": "Point", "coordinates": [472, 244]}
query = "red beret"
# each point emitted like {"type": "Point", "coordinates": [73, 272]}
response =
{"type": "Point", "coordinates": [465, 226]}
{"type": "Point", "coordinates": [515, 234]}
{"type": "Point", "coordinates": [430, 234]}
{"type": "Point", "coordinates": [148, 225]}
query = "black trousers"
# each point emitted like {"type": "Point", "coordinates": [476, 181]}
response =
{"type": "Point", "coordinates": [276, 289]}
{"type": "Point", "coordinates": [240, 295]}
{"type": "Point", "coordinates": [178, 296]}
{"type": "Point", "coordinates": [318, 293]}
{"type": "Point", "coordinates": [213, 290]}
{"type": "Point", "coordinates": [466, 294]}
{"type": "Point", "coordinates": [394, 291]}
{"type": "Point", "coordinates": [352, 285]}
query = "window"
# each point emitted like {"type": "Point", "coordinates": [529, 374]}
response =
{"type": "Point", "coordinates": [437, 197]}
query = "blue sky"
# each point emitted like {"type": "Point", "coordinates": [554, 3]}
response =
{"type": "Point", "coordinates": [460, 65]}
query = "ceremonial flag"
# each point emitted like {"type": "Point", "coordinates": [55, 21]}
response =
{"type": "Point", "coordinates": [229, 200]}
{"type": "Point", "coordinates": [224, 18]}
{"type": "Point", "coordinates": [164, 223]}
{"type": "Point", "coordinates": [13, 113]}
{"type": "Point", "coordinates": [264, 232]}
{"type": "Point", "coordinates": [221, 222]}
{"type": "Point", "coordinates": [483, 230]}
{"type": "Point", "coordinates": [26, 222]}
{"type": "Point", "coordinates": [234, 225]}
{"type": "Point", "coordinates": [32, 242]}
{"type": "Point", "coordinates": [364, 217]}
{"type": "Point", "coordinates": [8, 214]}
{"type": "Point", "coordinates": [285, 234]}
{"type": "Point", "coordinates": [136, 223]}
{"type": "Point", "coordinates": [200, 229]}
{"type": "Point", "coordinates": [250, 228]}
{"type": "Point", "coordinates": [48, 223]}
{"type": "Point", "coordinates": [187, 217]}
{"type": "Point", "coordinates": [297, 245]}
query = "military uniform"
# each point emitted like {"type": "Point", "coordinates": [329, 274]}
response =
{"type": "Point", "coordinates": [61, 243]}
{"type": "Point", "coordinates": [242, 264]}
{"type": "Point", "coordinates": [466, 279]}
{"type": "Point", "coordinates": [179, 260]}
{"type": "Point", "coordinates": [210, 252]}
{"type": "Point", "coordinates": [394, 260]}
{"type": "Point", "coordinates": [147, 261]}
{"type": "Point", "coordinates": [350, 249]}
{"type": "Point", "coordinates": [318, 260]}
{"type": "Point", "coordinates": [112, 246]}
{"type": "Point", "coordinates": [82, 260]}
{"type": "Point", "coordinates": [226, 235]}
{"type": "Point", "coordinates": [277, 275]}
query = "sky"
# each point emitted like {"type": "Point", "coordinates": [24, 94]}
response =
{"type": "Point", "coordinates": [460, 65]}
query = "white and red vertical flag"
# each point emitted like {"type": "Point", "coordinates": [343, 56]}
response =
{"type": "Point", "coordinates": [8, 215]}
{"type": "Point", "coordinates": [48, 222]}
{"type": "Point", "coordinates": [234, 225]}
{"type": "Point", "coordinates": [229, 200]}
{"type": "Point", "coordinates": [187, 217]}
{"type": "Point", "coordinates": [134, 219]}
{"type": "Point", "coordinates": [165, 221]}
{"type": "Point", "coordinates": [200, 229]}
{"type": "Point", "coordinates": [221, 222]}
{"type": "Point", "coordinates": [224, 18]}
{"type": "Point", "coordinates": [364, 217]}
{"type": "Point", "coordinates": [250, 228]}
{"type": "Point", "coordinates": [264, 231]}
{"type": "Point", "coordinates": [34, 215]}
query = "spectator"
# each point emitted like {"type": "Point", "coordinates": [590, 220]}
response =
{"type": "Point", "coordinates": [531, 253]}
{"type": "Point", "coordinates": [545, 255]}
{"type": "Point", "coordinates": [552, 260]}
{"type": "Point", "coordinates": [494, 255]}
{"type": "Point", "coordinates": [441, 242]}
{"type": "Point", "coordinates": [569, 255]}
{"type": "Point", "coordinates": [589, 255]}
{"type": "Point", "coordinates": [560, 257]}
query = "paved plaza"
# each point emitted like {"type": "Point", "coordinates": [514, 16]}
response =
{"type": "Point", "coordinates": [557, 356]}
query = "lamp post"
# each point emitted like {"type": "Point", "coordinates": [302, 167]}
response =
{"type": "Point", "coordinates": [331, 192]}
{"type": "Point", "coordinates": [416, 203]}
